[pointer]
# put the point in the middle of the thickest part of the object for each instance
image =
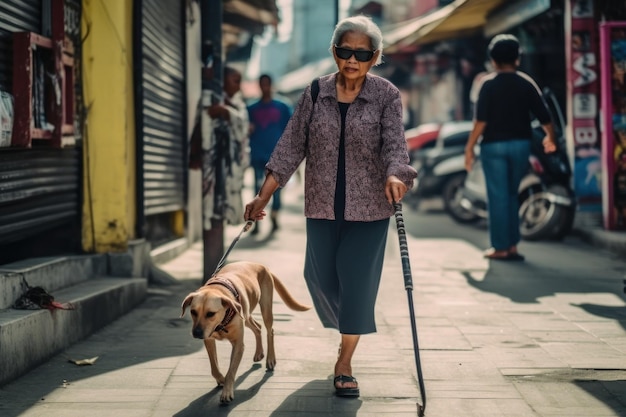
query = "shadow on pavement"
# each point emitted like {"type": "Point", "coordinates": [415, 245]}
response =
{"type": "Point", "coordinates": [608, 312]}
{"type": "Point", "coordinates": [523, 282]}
{"type": "Point", "coordinates": [607, 392]}
{"type": "Point", "coordinates": [308, 398]}
{"type": "Point", "coordinates": [152, 331]}
{"type": "Point", "coordinates": [209, 403]}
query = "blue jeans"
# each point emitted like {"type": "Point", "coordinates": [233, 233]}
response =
{"type": "Point", "coordinates": [259, 177]}
{"type": "Point", "coordinates": [504, 165]}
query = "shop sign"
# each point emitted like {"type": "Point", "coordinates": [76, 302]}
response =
{"type": "Point", "coordinates": [583, 99]}
{"type": "Point", "coordinates": [613, 76]}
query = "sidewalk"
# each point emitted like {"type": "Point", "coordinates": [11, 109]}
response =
{"type": "Point", "coordinates": [482, 354]}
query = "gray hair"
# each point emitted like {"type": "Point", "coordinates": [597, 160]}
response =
{"type": "Point", "coordinates": [361, 24]}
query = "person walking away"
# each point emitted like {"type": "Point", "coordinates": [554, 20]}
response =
{"type": "Point", "coordinates": [357, 166]}
{"type": "Point", "coordinates": [268, 119]}
{"type": "Point", "coordinates": [505, 103]}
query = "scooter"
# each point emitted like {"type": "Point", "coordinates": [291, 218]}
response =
{"type": "Point", "coordinates": [547, 203]}
{"type": "Point", "coordinates": [547, 200]}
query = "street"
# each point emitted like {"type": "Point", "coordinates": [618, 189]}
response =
{"type": "Point", "coordinates": [567, 266]}
{"type": "Point", "coordinates": [545, 337]}
{"type": "Point", "coordinates": [128, 130]}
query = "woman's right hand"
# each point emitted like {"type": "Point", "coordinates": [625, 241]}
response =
{"type": "Point", "coordinates": [255, 209]}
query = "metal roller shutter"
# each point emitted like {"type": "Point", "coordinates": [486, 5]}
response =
{"type": "Point", "coordinates": [161, 105]}
{"type": "Point", "coordinates": [39, 190]}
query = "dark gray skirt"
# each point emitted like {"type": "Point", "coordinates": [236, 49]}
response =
{"type": "Point", "coordinates": [342, 269]}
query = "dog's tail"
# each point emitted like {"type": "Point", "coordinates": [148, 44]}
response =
{"type": "Point", "coordinates": [287, 297]}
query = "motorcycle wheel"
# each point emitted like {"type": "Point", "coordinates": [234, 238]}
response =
{"type": "Point", "coordinates": [539, 217]}
{"type": "Point", "coordinates": [566, 222]}
{"type": "Point", "coordinates": [452, 195]}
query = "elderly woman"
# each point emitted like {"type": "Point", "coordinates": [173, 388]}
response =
{"type": "Point", "coordinates": [356, 168]}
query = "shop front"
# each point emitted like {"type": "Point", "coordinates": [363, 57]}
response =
{"type": "Point", "coordinates": [613, 104]}
{"type": "Point", "coordinates": [595, 92]}
{"type": "Point", "coordinates": [160, 119]}
{"type": "Point", "coordinates": [40, 139]}
{"type": "Point", "coordinates": [449, 47]}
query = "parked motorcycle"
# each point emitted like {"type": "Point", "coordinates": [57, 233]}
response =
{"type": "Point", "coordinates": [547, 201]}
{"type": "Point", "coordinates": [441, 168]}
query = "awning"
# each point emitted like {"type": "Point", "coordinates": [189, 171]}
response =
{"type": "Point", "coordinates": [395, 33]}
{"type": "Point", "coordinates": [459, 18]}
{"type": "Point", "coordinates": [514, 13]}
{"type": "Point", "coordinates": [250, 15]}
{"type": "Point", "coordinates": [298, 79]}
{"type": "Point", "coordinates": [245, 18]}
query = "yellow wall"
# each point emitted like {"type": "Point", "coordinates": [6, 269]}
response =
{"type": "Point", "coordinates": [109, 137]}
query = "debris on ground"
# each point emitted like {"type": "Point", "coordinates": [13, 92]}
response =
{"type": "Point", "coordinates": [35, 298]}
{"type": "Point", "coordinates": [84, 362]}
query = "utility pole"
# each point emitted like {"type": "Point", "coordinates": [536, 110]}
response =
{"type": "Point", "coordinates": [212, 92]}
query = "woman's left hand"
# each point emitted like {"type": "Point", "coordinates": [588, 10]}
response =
{"type": "Point", "coordinates": [394, 189]}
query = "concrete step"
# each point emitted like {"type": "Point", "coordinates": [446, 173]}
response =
{"type": "Point", "coordinates": [51, 274]}
{"type": "Point", "coordinates": [30, 337]}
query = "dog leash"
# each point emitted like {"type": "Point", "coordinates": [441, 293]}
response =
{"type": "Point", "coordinates": [222, 261]}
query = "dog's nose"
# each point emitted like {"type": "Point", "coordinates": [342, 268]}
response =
{"type": "Point", "coordinates": [198, 333]}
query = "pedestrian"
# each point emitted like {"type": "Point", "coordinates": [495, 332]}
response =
{"type": "Point", "coordinates": [268, 119]}
{"type": "Point", "coordinates": [357, 166]}
{"type": "Point", "coordinates": [221, 151]}
{"type": "Point", "coordinates": [503, 119]}
{"type": "Point", "coordinates": [235, 155]}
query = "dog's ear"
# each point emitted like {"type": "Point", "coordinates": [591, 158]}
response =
{"type": "Point", "coordinates": [227, 302]}
{"type": "Point", "coordinates": [186, 303]}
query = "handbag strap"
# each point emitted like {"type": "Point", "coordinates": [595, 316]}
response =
{"type": "Point", "coordinates": [315, 90]}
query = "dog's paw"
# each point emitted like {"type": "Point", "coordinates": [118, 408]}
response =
{"type": "Point", "coordinates": [270, 364]}
{"type": "Point", "coordinates": [220, 380]}
{"type": "Point", "coordinates": [258, 356]}
{"type": "Point", "coordinates": [227, 395]}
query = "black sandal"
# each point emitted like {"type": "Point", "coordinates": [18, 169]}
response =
{"type": "Point", "coordinates": [346, 392]}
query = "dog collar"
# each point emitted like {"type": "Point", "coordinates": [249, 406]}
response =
{"type": "Point", "coordinates": [230, 313]}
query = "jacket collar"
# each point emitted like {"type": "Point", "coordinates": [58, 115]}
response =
{"type": "Point", "coordinates": [328, 82]}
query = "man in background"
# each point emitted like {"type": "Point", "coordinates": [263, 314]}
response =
{"type": "Point", "coordinates": [268, 119]}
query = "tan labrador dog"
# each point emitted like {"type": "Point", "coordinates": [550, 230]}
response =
{"type": "Point", "coordinates": [223, 306]}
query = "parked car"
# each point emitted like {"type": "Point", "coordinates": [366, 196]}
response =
{"type": "Point", "coordinates": [441, 169]}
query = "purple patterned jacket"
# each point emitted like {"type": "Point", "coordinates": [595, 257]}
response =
{"type": "Point", "coordinates": [375, 149]}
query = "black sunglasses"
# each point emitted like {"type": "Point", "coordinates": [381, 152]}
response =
{"type": "Point", "coordinates": [361, 56]}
